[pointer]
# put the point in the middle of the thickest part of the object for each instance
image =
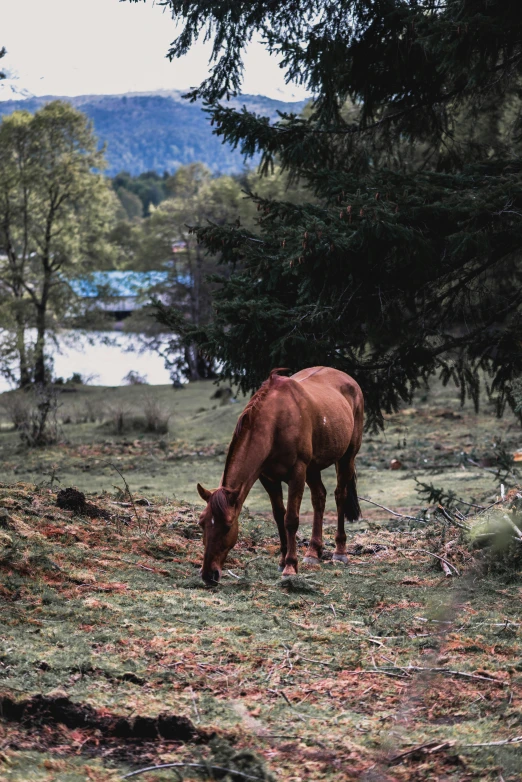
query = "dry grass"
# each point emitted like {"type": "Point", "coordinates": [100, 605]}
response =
{"type": "Point", "coordinates": [331, 676]}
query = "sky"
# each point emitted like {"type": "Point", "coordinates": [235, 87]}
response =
{"type": "Point", "coordinates": [79, 47]}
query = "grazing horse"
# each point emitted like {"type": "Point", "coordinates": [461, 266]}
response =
{"type": "Point", "coordinates": [291, 429]}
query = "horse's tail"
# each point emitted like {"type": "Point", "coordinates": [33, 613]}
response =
{"type": "Point", "coordinates": [352, 510]}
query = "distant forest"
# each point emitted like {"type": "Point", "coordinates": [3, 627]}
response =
{"type": "Point", "coordinates": [158, 131]}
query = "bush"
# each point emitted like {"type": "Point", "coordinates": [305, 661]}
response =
{"type": "Point", "coordinates": [17, 405]}
{"type": "Point", "coordinates": [134, 378]}
{"type": "Point", "coordinates": [40, 425]}
{"type": "Point", "coordinates": [90, 413]}
{"type": "Point", "coordinates": [76, 379]}
{"type": "Point", "coordinates": [498, 535]}
{"type": "Point", "coordinates": [119, 417]}
{"type": "Point", "coordinates": [156, 415]}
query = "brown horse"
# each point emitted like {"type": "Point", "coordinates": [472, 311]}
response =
{"type": "Point", "coordinates": [291, 429]}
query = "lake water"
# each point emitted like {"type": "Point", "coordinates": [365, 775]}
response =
{"type": "Point", "coordinates": [104, 364]}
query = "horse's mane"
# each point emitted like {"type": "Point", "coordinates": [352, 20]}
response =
{"type": "Point", "coordinates": [246, 418]}
{"type": "Point", "coordinates": [219, 504]}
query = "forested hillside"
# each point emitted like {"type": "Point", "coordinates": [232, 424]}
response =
{"type": "Point", "coordinates": [158, 131]}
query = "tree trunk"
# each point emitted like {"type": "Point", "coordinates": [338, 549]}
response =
{"type": "Point", "coordinates": [191, 360]}
{"type": "Point", "coordinates": [40, 377]}
{"type": "Point", "coordinates": [25, 375]}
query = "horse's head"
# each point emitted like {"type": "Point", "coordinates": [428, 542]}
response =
{"type": "Point", "coordinates": [219, 522]}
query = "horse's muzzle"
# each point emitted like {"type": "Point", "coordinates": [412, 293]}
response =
{"type": "Point", "coordinates": [212, 577]}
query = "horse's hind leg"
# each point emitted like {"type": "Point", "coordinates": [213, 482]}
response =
{"type": "Point", "coordinates": [275, 492]}
{"type": "Point", "coordinates": [318, 492]}
{"type": "Point", "coordinates": [346, 500]}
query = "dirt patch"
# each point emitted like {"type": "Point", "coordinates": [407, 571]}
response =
{"type": "Point", "coordinates": [41, 710]}
{"type": "Point", "coordinates": [72, 499]}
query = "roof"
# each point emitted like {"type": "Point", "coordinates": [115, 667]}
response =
{"type": "Point", "coordinates": [118, 284]}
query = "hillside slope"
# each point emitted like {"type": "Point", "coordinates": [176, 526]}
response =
{"type": "Point", "coordinates": [157, 131]}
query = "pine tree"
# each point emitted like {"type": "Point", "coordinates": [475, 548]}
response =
{"type": "Point", "coordinates": [407, 261]}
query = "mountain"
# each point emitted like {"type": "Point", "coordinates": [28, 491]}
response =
{"type": "Point", "coordinates": [157, 131]}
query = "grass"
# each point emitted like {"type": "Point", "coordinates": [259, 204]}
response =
{"type": "Point", "coordinates": [427, 438]}
{"type": "Point", "coordinates": [330, 676]}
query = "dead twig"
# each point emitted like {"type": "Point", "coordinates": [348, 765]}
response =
{"type": "Point", "coordinates": [428, 748]}
{"type": "Point", "coordinates": [502, 743]}
{"type": "Point", "coordinates": [394, 513]}
{"type": "Point", "coordinates": [206, 766]}
{"type": "Point", "coordinates": [289, 702]}
{"type": "Point", "coordinates": [128, 492]}
{"type": "Point", "coordinates": [425, 551]}
{"type": "Point", "coordinates": [512, 524]}
{"type": "Point", "coordinates": [450, 518]}
{"type": "Point", "coordinates": [446, 569]}
{"type": "Point", "coordinates": [431, 747]}
{"type": "Point", "coordinates": [449, 672]}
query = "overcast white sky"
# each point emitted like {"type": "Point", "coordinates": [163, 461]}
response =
{"type": "Point", "coordinates": [77, 47]}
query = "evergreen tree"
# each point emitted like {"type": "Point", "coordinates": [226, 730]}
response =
{"type": "Point", "coordinates": [407, 262]}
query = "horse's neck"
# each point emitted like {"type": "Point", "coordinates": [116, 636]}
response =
{"type": "Point", "coordinates": [244, 468]}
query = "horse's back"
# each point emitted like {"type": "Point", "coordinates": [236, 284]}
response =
{"type": "Point", "coordinates": [324, 383]}
{"type": "Point", "coordinates": [334, 405]}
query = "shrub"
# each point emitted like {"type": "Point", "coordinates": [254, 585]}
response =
{"type": "Point", "coordinates": [498, 536]}
{"type": "Point", "coordinates": [17, 405]}
{"type": "Point", "coordinates": [134, 378]}
{"type": "Point", "coordinates": [119, 417]}
{"type": "Point", "coordinates": [156, 415]}
{"type": "Point", "coordinates": [40, 425]}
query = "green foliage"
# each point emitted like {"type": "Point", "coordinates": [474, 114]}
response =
{"type": "Point", "coordinates": [407, 263]}
{"type": "Point", "coordinates": [499, 537]}
{"type": "Point", "coordinates": [433, 495]}
{"type": "Point", "coordinates": [195, 197]}
{"type": "Point", "coordinates": [149, 189]}
{"type": "Point", "coordinates": [55, 209]}
{"type": "Point", "coordinates": [157, 131]}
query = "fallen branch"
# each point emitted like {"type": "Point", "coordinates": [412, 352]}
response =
{"type": "Point", "coordinates": [407, 670]}
{"type": "Point", "coordinates": [428, 748]}
{"type": "Point", "coordinates": [502, 743]}
{"type": "Point", "coordinates": [514, 527]}
{"type": "Point", "coordinates": [498, 502]}
{"type": "Point", "coordinates": [394, 513]}
{"type": "Point", "coordinates": [437, 746]}
{"type": "Point", "coordinates": [446, 569]}
{"type": "Point", "coordinates": [450, 518]}
{"type": "Point", "coordinates": [425, 551]}
{"type": "Point", "coordinates": [205, 766]}
{"type": "Point", "coordinates": [449, 672]}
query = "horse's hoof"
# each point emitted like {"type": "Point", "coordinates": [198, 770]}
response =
{"type": "Point", "coordinates": [288, 572]}
{"type": "Point", "coordinates": [340, 558]}
{"type": "Point", "coordinates": [311, 561]}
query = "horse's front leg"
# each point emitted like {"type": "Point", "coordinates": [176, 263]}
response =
{"type": "Point", "coordinates": [296, 486]}
{"type": "Point", "coordinates": [275, 492]}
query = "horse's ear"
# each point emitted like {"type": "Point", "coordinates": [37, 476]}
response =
{"type": "Point", "coordinates": [205, 494]}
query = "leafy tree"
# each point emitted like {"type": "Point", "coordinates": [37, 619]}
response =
{"type": "Point", "coordinates": [54, 213]}
{"type": "Point", "coordinates": [408, 262]}
{"type": "Point", "coordinates": [149, 188]}
{"type": "Point", "coordinates": [196, 197]}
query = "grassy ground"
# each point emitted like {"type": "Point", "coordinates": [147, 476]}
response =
{"type": "Point", "coordinates": [109, 639]}
{"type": "Point", "coordinates": [427, 438]}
